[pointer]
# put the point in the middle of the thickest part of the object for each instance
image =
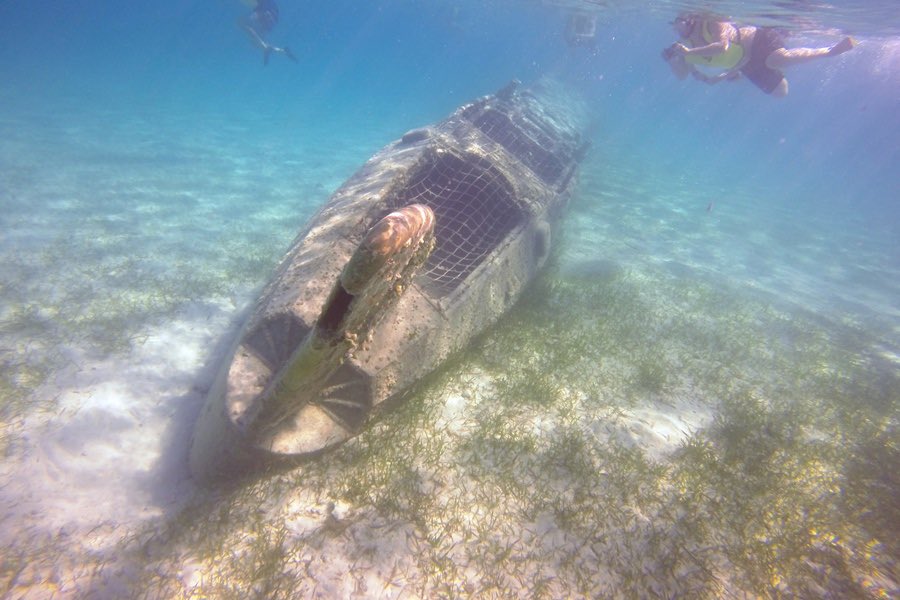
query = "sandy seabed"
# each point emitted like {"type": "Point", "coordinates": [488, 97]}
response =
{"type": "Point", "coordinates": [685, 406]}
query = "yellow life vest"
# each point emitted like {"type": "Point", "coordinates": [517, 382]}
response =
{"type": "Point", "coordinates": [724, 60]}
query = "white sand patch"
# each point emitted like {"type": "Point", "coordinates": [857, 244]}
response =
{"type": "Point", "coordinates": [456, 415]}
{"type": "Point", "coordinates": [658, 428]}
{"type": "Point", "coordinates": [115, 452]}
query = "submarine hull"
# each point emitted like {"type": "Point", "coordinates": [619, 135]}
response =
{"type": "Point", "coordinates": [480, 194]}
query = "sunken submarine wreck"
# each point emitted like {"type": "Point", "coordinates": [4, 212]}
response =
{"type": "Point", "coordinates": [429, 243]}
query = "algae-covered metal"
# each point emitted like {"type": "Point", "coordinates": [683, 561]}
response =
{"type": "Point", "coordinates": [429, 243]}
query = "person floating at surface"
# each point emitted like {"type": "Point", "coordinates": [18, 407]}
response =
{"type": "Point", "coordinates": [757, 53]}
{"type": "Point", "coordinates": [259, 23]}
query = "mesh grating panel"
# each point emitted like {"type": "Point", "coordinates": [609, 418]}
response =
{"type": "Point", "coordinates": [474, 210]}
{"type": "Point", "coordinates": [524, 140]}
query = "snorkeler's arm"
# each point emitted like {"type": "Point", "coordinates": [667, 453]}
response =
{"type": "Point", "coordinates": [722, 43]}
{"type": "Point", "coordinates": [676, 62]}
{"type": "Point", "coordinates": [253, 35]}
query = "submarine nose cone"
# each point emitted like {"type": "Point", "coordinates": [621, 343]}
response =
{"type": "Point", "coordinates": [340, 393]}
{"type": "Point", "coordinates": [319, 397]}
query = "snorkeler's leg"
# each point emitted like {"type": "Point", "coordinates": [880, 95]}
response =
{"type": "Point", "coordinates": [284, 50]}
{"type": "Point", "coordinates": [782, 57]}
{"type": "Point", "coordinates": [253, 35]}
{"type": "Point", "coordinates": [781, 90]}
{"type": "Point", "coordinates": [260, 43]}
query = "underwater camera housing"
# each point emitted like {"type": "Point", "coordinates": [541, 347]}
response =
{"type": "Point", "coordinates": [429, 243]}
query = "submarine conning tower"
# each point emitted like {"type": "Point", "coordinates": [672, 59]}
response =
{"type": "Point", "coordinates": [466, 211]}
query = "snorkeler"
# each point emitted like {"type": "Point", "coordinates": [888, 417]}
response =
{"type": "Point", "coordinates": [259, 23]}
{"type": "Point", "coordinates": [757, 53]}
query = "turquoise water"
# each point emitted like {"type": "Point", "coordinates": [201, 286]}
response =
{"type": "Point", "coordinates": [730, 267]}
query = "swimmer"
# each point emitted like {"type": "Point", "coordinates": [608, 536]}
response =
{"type": "Point", "coordinates": [757, 53]}
{"type": "Point", "coordinates": [261, 20]}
